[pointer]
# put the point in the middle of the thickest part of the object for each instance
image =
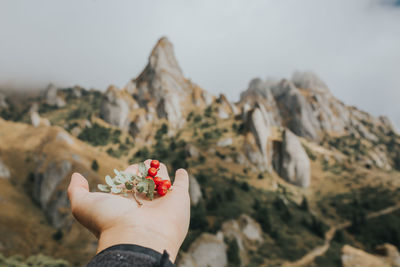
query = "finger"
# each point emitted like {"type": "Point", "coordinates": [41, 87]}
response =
{"type": "Point", "coordinates": [163, 172]}
{"type": "Point", "coordinates": [181, 180]}
{"type": "Point", "coordinates": [78, 188]}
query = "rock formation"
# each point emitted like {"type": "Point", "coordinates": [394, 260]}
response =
{"type": "Point", "coordinates": [52, 98]}
{"type": "Point", "coordinates": [259, 124]}
{"type": "Point", "coordinates": [291, 161]}
{"type": "Point", "coordinates": [352, 257]}
{"type": "Point", "coordinates": [162, 90]}
{"type": "Point", "coordinates": [306, 107]}
{"type": "Point", "coordinates": [4, 171]}
{"type": "Point", "coordinates": [47, 178]}
{"type": "Point", "coordinates": [3, 102]}
{"type": "Point", "coordinates": [116, 107]}
{"type": "Point", "coordinates": [206, 251]}
{"type": "Point", "coordinates": [37, 121]}
{"type": "Point", "coordinates": [390, 252]}
{"type": "Point", "coordinates": [194, 191]}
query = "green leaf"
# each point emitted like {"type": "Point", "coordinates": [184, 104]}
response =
{"type": "Point", "coordinates": [128, 176]}
{"type": "Point", "coordinates": [151, 186]}
{"type": "Point", "coordinates": [109, 181]}
{"type": "Point", "coordinates": [116, 190]}
{"type": "Point", "coordinates": [128, 186]}
{"type": "Point", "coordinates": [103, 188]}
{"type": "Point", "coordinates": [142, 169]}
{"type": "Point", "coordinates": [142, 187]}
{"type": "Point", "coordinates": [117, 173]}
{"type": "Point", "coordinates": [138, 178]}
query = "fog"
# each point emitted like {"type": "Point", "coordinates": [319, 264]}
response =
{"type": "Point", "coordinates": [354, 46]}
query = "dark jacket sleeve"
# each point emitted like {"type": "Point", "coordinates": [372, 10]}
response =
{"type": "Point", "coordinates": [125, 255]}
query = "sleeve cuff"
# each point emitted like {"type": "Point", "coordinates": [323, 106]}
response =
{"type": "Point", "coordinates": [122, 254]}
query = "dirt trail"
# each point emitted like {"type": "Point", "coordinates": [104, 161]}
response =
{"type": "Point", "coordinates": [320, 250]}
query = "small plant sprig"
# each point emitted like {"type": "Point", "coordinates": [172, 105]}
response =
{"type": "Point", "coordinates": [145, 182]}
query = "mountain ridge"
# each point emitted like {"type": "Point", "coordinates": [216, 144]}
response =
{"type": "Point", "coordinates": [284, 143]}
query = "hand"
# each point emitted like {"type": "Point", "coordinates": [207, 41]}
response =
{"type": "Point", "coordinates": [159, 224]}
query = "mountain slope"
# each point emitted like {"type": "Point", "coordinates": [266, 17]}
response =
{"type": "Point", "coordinates": [288, 158]}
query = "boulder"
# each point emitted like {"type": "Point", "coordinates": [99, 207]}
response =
{"type": "Point", "coordinates": [353, 257]}
{"type": "Point", "coordinates": [37, 121]}
{"type": "Point", "coordinates": [192, 151]}
{"type": "Point", "coordinates": [4, 171]}
{"type": "Point", "coordinates": [3, 101]}
{"type": "Point", "coordinates": [52, 98]}
{"type": "Point", "coordinates": [245, 232]}
{"type": "Point", "coordinates": [194, 191]}
{"type": "Point", "coordinates": [206, 251]}
{"type": "Point", "coordinates": [250, 228]}
{"type": "Point", "coordinates": [259, 123]}
{"type": "Point", "coordinates": [390, 252]}
{"type": "Point", "coordinates": [115, 108]}
{"type": "Point", "coordinates": [77, 91]}
{"type": "Point", "coordinates": [225, 142]}
{"type": "Point", "coordinates": [53, 202]}
{"type": "Point", "coordinates": [291, 161]}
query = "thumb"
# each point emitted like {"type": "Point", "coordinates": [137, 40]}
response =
{"type": "Point", "coordinates": [181, 180]}
{"type": "Point", "coordinates": [77, 189]}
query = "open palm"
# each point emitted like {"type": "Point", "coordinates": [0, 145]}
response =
{"type": "Point", "coordinates": [159, 224]}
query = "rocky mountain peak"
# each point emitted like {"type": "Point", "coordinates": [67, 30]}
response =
{"type": "Point", "coordinates": [162, 58]}
{"type": "Point", "coordinates": [309, 80]}
{"type": "Point", "coordinates": [162, 75]}
{"type": "Point", "coordinates": [162, 87]}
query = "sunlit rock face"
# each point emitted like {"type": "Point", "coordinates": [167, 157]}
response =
{"type": "Point", "coordinates": [194, 191]}
{"type": "Point", "coordinates": [307, 108]}
{"type": "Point", "coordinates": [52, 97]}
{"type": "Point", "coordinates": [305, 105]}
{"type": "Point", "coordinates": [47, 178]}
{"type": "Point", "coordinates": [115, 107]}
{"type": "Point", "coordinates": [162, 84]}
{"type": "Point", "coordinates": [259, 124]}
{"type": "Point", "coordinates": [352, 257]}
{"type": "Point", "coordinates": [292, 162]}
{"type": "Point", "coordinates": [163, 91]}
{"type": "Point", "coordinates": [206, 251]}
{"type": "Point", "coordinates": [4, 171]}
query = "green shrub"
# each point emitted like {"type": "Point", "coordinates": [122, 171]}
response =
{"type": "Point", "coordinates": [33, 261]}
{"type": "Point", "coordinates": [96, 135]}
{"type": "Point", "coordinates": [95, 165]}
{"type": "Point", "coordinates": [232, 252]}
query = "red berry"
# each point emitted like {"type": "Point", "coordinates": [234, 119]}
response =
{"type": "Point", "coordinates": [155, 164]}
{"type": "Point", "coordinates": [166, 183]}
{"type": "Point", "coordinates": [162, 190]}
{"type": "Point", "coordinates": [149, 177]}
{"type": "Point", "coordinates": [152, 172]}
{"type": "Point", "coordinates": [157, 180]}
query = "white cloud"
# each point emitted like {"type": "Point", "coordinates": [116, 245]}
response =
{"type": "Point", "coordinates": [221, 45]}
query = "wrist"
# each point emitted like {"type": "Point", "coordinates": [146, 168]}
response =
{"type": "Point", "coordinates": [138, 236]}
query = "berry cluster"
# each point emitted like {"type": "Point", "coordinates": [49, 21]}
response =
{"type": "Point", "coordinates": [161, 185]}
{"type": "Point", "coordinates": [147, 182]}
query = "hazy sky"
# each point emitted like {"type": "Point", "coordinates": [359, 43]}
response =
{"type": "Point", "coordinates": [354, 45]}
